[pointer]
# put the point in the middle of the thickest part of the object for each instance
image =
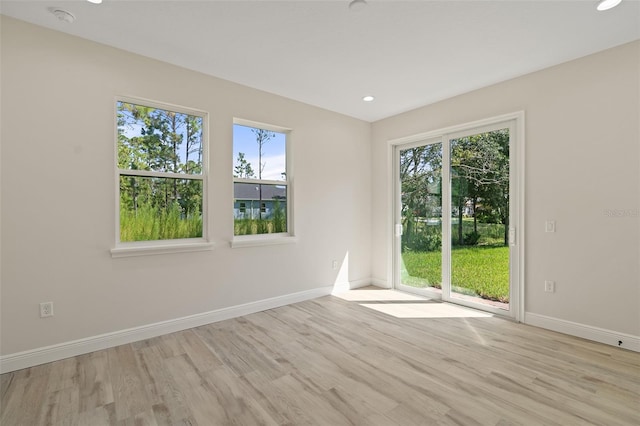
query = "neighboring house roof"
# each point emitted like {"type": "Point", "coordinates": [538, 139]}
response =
{"type": "Point", "coordinates": [250, 191]}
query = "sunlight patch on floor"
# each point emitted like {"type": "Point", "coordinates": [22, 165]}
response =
{"type": "Point", "coordinates": [425, 310]}
{"type": "Point", "coordinates": [376, 295]}
{"type": "Point", "coordinates": [405, 305]}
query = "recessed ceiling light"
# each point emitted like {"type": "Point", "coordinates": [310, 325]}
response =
{"type": "Point", "coordinates": [368, 98]}
{"type": "Point", "coordinates": [95, 1]}
{"type": "Point", "coordinates": [357, 4]}
{"type": "Point", "coordinates": [63, 15]}
{"type": "Point", "coordinates": [607, 4]}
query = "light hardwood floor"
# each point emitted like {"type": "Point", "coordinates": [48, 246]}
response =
{"type": "Point", "coordinates": [332, 361]}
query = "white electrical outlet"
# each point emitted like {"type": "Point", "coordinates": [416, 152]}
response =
{"type": "Point", "coordinates": [334, 264]}
{"type": "Point", "coordinates": [46, 309]}
{"type": "Point", "coordinates": [549, 286]}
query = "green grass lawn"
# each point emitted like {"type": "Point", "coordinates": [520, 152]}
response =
{"type": "Point", "coordinates": [479, 271]}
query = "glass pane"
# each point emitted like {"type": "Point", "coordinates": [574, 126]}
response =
{"type": "Point", "coordinates": [259, 208]}
{"type": "Point", "coordinates": [421, 249]}
{"type": "Point", "coordinates": [158, 140]}
{"type": "Point", "coordinates": [160, 208]}
{"type": "Point", "coordinates": [480, 218]}
{"type": "Point", "coordinates": [259, 154]}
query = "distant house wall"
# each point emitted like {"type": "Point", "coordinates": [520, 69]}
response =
{"type": "Point", "coordinates": [251, 209]}
{"type": "Point", "coordinates": [248, 204]}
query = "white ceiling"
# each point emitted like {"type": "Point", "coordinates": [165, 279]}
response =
{"type": "Point", "coordinates": [405, 53]}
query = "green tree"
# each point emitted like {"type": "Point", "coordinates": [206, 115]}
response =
{"type": "Point", "coordinates": [480, 176]}
{"type": "Point", "coordinates": [279, 217]}
{"type": "Point", "coordinates": [262, 137]}
{"type": "Point", "coordinates": [420, 174]}
{"type": "Point", "coordinates": [193, 140]}
{"type": "Point", "coordinates": [243, 168]}
{"type": "Point", "coordinates": [494, 194]}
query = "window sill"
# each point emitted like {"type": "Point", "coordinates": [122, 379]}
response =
{"type": "Point", "coordinates": [147, 248]}
{"type": "Point", "coordinates": [262, 240]}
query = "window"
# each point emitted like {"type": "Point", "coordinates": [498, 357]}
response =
{"type": "Point", "coordinates": [161, 172]}
{"type": "Point", "coordinates": [261, 182]}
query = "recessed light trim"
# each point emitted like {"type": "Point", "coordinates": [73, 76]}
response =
{"type": "Point", "coordinates": [357, 4]}
{"type": "Point", "coordinates": [63, 15]}
{"type": "Point", "coordinates": [607, 4]}
{"type": "Point", "coordinates": [95, 1]}
{"type": "Point", "coordinates": [368, 98]}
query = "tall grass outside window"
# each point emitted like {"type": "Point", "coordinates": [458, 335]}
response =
{"type": "Point", "coordinates": [160, 172]}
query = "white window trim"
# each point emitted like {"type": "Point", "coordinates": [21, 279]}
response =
{"type": "Point", "coordinates": [144, 248]}
{"type": "Point", "coordinates": [289, 237]}
{"type": "Point", "coordinates": [160, 247]}
{"type": "Point", "coordinates": [257, 240]}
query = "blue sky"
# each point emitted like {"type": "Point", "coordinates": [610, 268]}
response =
{"type": "Point", "coordinates": [273, 152]}
{"type": "Point", "coordinates": [244, 140]}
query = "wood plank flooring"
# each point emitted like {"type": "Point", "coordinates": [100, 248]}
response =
{"type": "Point", "coordinates": [332, 361]}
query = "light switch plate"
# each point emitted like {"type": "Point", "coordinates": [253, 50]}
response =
{"type": "Point", "coordinates": [550, 226]}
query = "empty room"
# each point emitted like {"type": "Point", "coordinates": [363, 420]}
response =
{"type": "Point", "coordinates": [366, 212]}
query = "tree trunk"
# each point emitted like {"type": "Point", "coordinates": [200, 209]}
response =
{"type": "Point", "coordinates": [506, 230]}
{"type": "Point", "coordinates": [409, 230]}
{"type": "Point", "coordinates": [460, 207]}
{"type": "Point", "coordinates": [475, 217]}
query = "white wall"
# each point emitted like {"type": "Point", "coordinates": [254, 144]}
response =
{"type": "Point", "coordinates": [582, 152]}
{"type": "Point", "coordinates": [57, 190]}
{"type": "Point", "coordinates": [58, 197]}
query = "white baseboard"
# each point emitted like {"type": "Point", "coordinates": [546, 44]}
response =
{"type": "Point", "coordinates": [59, 351]}
{"type": "Point", "coordinates": [350, 285]}
{"type": "Point", "coordinates": [380, 283]}
{"type": "Point", "coordinates": [360, 283]}
{"type": "Point", "coordinates": [596, 334]}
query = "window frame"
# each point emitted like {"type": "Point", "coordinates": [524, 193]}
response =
{"type": "Point", "coordinates": [252, 240]}
{"type": "Point", "coordinates": [178, 245]}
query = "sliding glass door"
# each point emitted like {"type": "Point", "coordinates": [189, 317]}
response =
{"type": "Point", "coordinates": [420, 226]}
{"type": "Point", "coordinates": [454, 217]}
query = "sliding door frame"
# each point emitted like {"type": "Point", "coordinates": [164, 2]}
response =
{"type": "Point", "coordinates": [515, 123]}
